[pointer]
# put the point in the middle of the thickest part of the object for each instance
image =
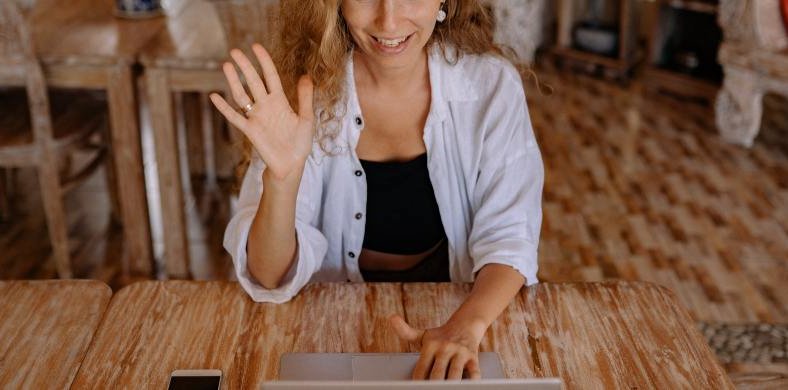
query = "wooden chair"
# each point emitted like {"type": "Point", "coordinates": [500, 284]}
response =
{"type": "Point", "coordinates": [35, 134]}
{"type": "Point", "coordinates": [754, 56]}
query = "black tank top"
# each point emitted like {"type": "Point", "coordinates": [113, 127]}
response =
{"type": "Point", "coordinates": [402, 213]}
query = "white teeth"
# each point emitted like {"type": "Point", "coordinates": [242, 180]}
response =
{"type": "Point", "coordinates": [391, 42]}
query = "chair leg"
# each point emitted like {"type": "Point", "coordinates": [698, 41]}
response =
{"type": "Point", "coordinates": [5, 209]}
{"type": "Point", "coordinates": [190, 104]}
{"type": "Point", "coordinates": [110, 175]}
{"type": "Point", "coordinates": [209, 147]}
{"type": "Point", "coordinates": [52, 195]}
{"type": "Point", "coordinates": [64, 165]}
{"type": "Point", "coordinates": [183, 158]}
{"type": "Point", "coordinates": [739, 107]}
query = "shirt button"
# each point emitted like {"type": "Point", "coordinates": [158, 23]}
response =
{"type": "Point", "coordinates": [359, 122]}
{"type": "Point", "coordinates": [359, 173]}
{"type": "Point", "coordinates": [358, 215]}
{"type": "Point", "coordinates": [351, 255]}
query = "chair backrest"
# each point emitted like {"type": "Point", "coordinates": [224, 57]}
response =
{"type": "Point", "coordinates": [753, 24]}
{"type": "Point", "coordinates": [13, 47]}
{"type": "Point", "coordinates": [19, 66]}
{"type": "Point", "coordinates": [249, 21]}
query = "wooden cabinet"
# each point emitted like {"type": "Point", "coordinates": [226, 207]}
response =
{"type": "Point", "coordinates": [598, 36]}
{"type": "Point", "coordinates": [683, 45]}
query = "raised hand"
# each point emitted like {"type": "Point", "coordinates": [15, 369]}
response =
{"type": "Point", "coordinates": [282, 137]}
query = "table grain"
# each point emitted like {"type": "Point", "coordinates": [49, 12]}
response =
{"type": "Point", "coordinates": [592, 335]}
{"type": "Point", "coordinates": [45, 330]}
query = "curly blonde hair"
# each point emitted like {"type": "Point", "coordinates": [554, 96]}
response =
{"type": "Point", "coordinates": [315, 41]}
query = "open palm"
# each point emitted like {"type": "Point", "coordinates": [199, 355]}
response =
{"type": "Point", "coordinates": [282, 137]}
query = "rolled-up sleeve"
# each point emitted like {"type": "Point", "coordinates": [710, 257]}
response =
{"type": "Point", "coordinates": [311, 243]}
{"type": "Point", "coordinates": [507, 197]}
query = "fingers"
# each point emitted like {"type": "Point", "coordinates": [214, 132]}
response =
{"type": "Point", "coordinates": [457, 366]}
{"type": "Point", "coordinates": [236, 88]}
{"type": "Point", "coordinates": [405, 331]}
{"type": "Point", "coordinates": [270, 74]}
{"type": "Point", "coordinates": [472, 367]}
{"type": "Point", "coordinates": [442, 359]}
{"type": "Point", "coordinates": [233, 116]}
{"type": "Point", "coordinates": [424, 363]}
{"type": "Point", "coordinates": [253, 80]}
{"type": "Point", "coordinates": [446, 363]}
{"type": "Point", "coordinates": [306, 92]}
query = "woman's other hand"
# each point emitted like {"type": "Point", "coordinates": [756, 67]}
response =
{"type": "Point", "coordinates": [446, 351]}
{"type": "Point", "coordinates": [282, 137]}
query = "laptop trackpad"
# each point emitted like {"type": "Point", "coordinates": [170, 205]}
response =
{"type": "Point", "coordinates": [367, 366]}
{"type": "Point", "coordinates": [370, 367]}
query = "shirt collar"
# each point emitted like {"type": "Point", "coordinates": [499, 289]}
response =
{"type": "Point", "coordinates": [448, 81]}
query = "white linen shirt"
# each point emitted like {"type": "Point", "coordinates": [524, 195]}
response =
{"type": "Point", "coordinates": [484, 165]}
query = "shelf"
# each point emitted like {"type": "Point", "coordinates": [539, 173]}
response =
{"type": "Point", "coordinates": [680, 83]}
{"type": "Point", "coordinates": [693, 5]}
{"type": "Point", "coordinates": [587, 56]}
{"type": "Point", "coordinates": [618, 64]}
{"type": "Point", "coordinates": [688, 26]}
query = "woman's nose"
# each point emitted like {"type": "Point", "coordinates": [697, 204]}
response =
{"type": "Point", "coordinates": [388, 15]}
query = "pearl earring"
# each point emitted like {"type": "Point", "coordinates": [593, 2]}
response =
{"type": "Point", "coordinates": [441, 14]}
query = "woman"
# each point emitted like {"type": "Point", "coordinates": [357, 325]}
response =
{"type": "Point", "coordinates": [416, 163]}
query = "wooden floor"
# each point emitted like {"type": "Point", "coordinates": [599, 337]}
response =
{"type": "Point", "coordinates": [638, 187]}
{"type": "Point", "coordinates": [642, 188]}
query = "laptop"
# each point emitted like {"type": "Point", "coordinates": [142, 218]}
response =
{"type": "Point", "coordinates": [360, 371]}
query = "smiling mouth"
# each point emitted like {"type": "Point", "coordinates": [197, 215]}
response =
{"type": "Point", "coordinates": [392, 43]}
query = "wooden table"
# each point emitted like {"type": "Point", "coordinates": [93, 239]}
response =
{"type": "Point", "coordinates": [83, 45]}
{"type": "Point", "coordinates": [45, 330]}
{"type": "Point", "coordinates": [186, 56]}
{"type": "Point", "coordinates": [606, 335]}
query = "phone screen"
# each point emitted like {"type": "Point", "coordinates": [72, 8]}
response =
{"type": "Point", "coordinates": [194, 382]}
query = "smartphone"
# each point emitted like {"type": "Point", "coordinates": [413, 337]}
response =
{"type": "Point", "coordinates": [195, 380]}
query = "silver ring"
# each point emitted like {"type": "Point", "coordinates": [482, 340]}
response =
{"type": "Point", "coordinates": [247, 108]}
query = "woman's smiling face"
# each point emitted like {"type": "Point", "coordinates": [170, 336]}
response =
{"type": "Point", "coordinates": [391, 33]}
